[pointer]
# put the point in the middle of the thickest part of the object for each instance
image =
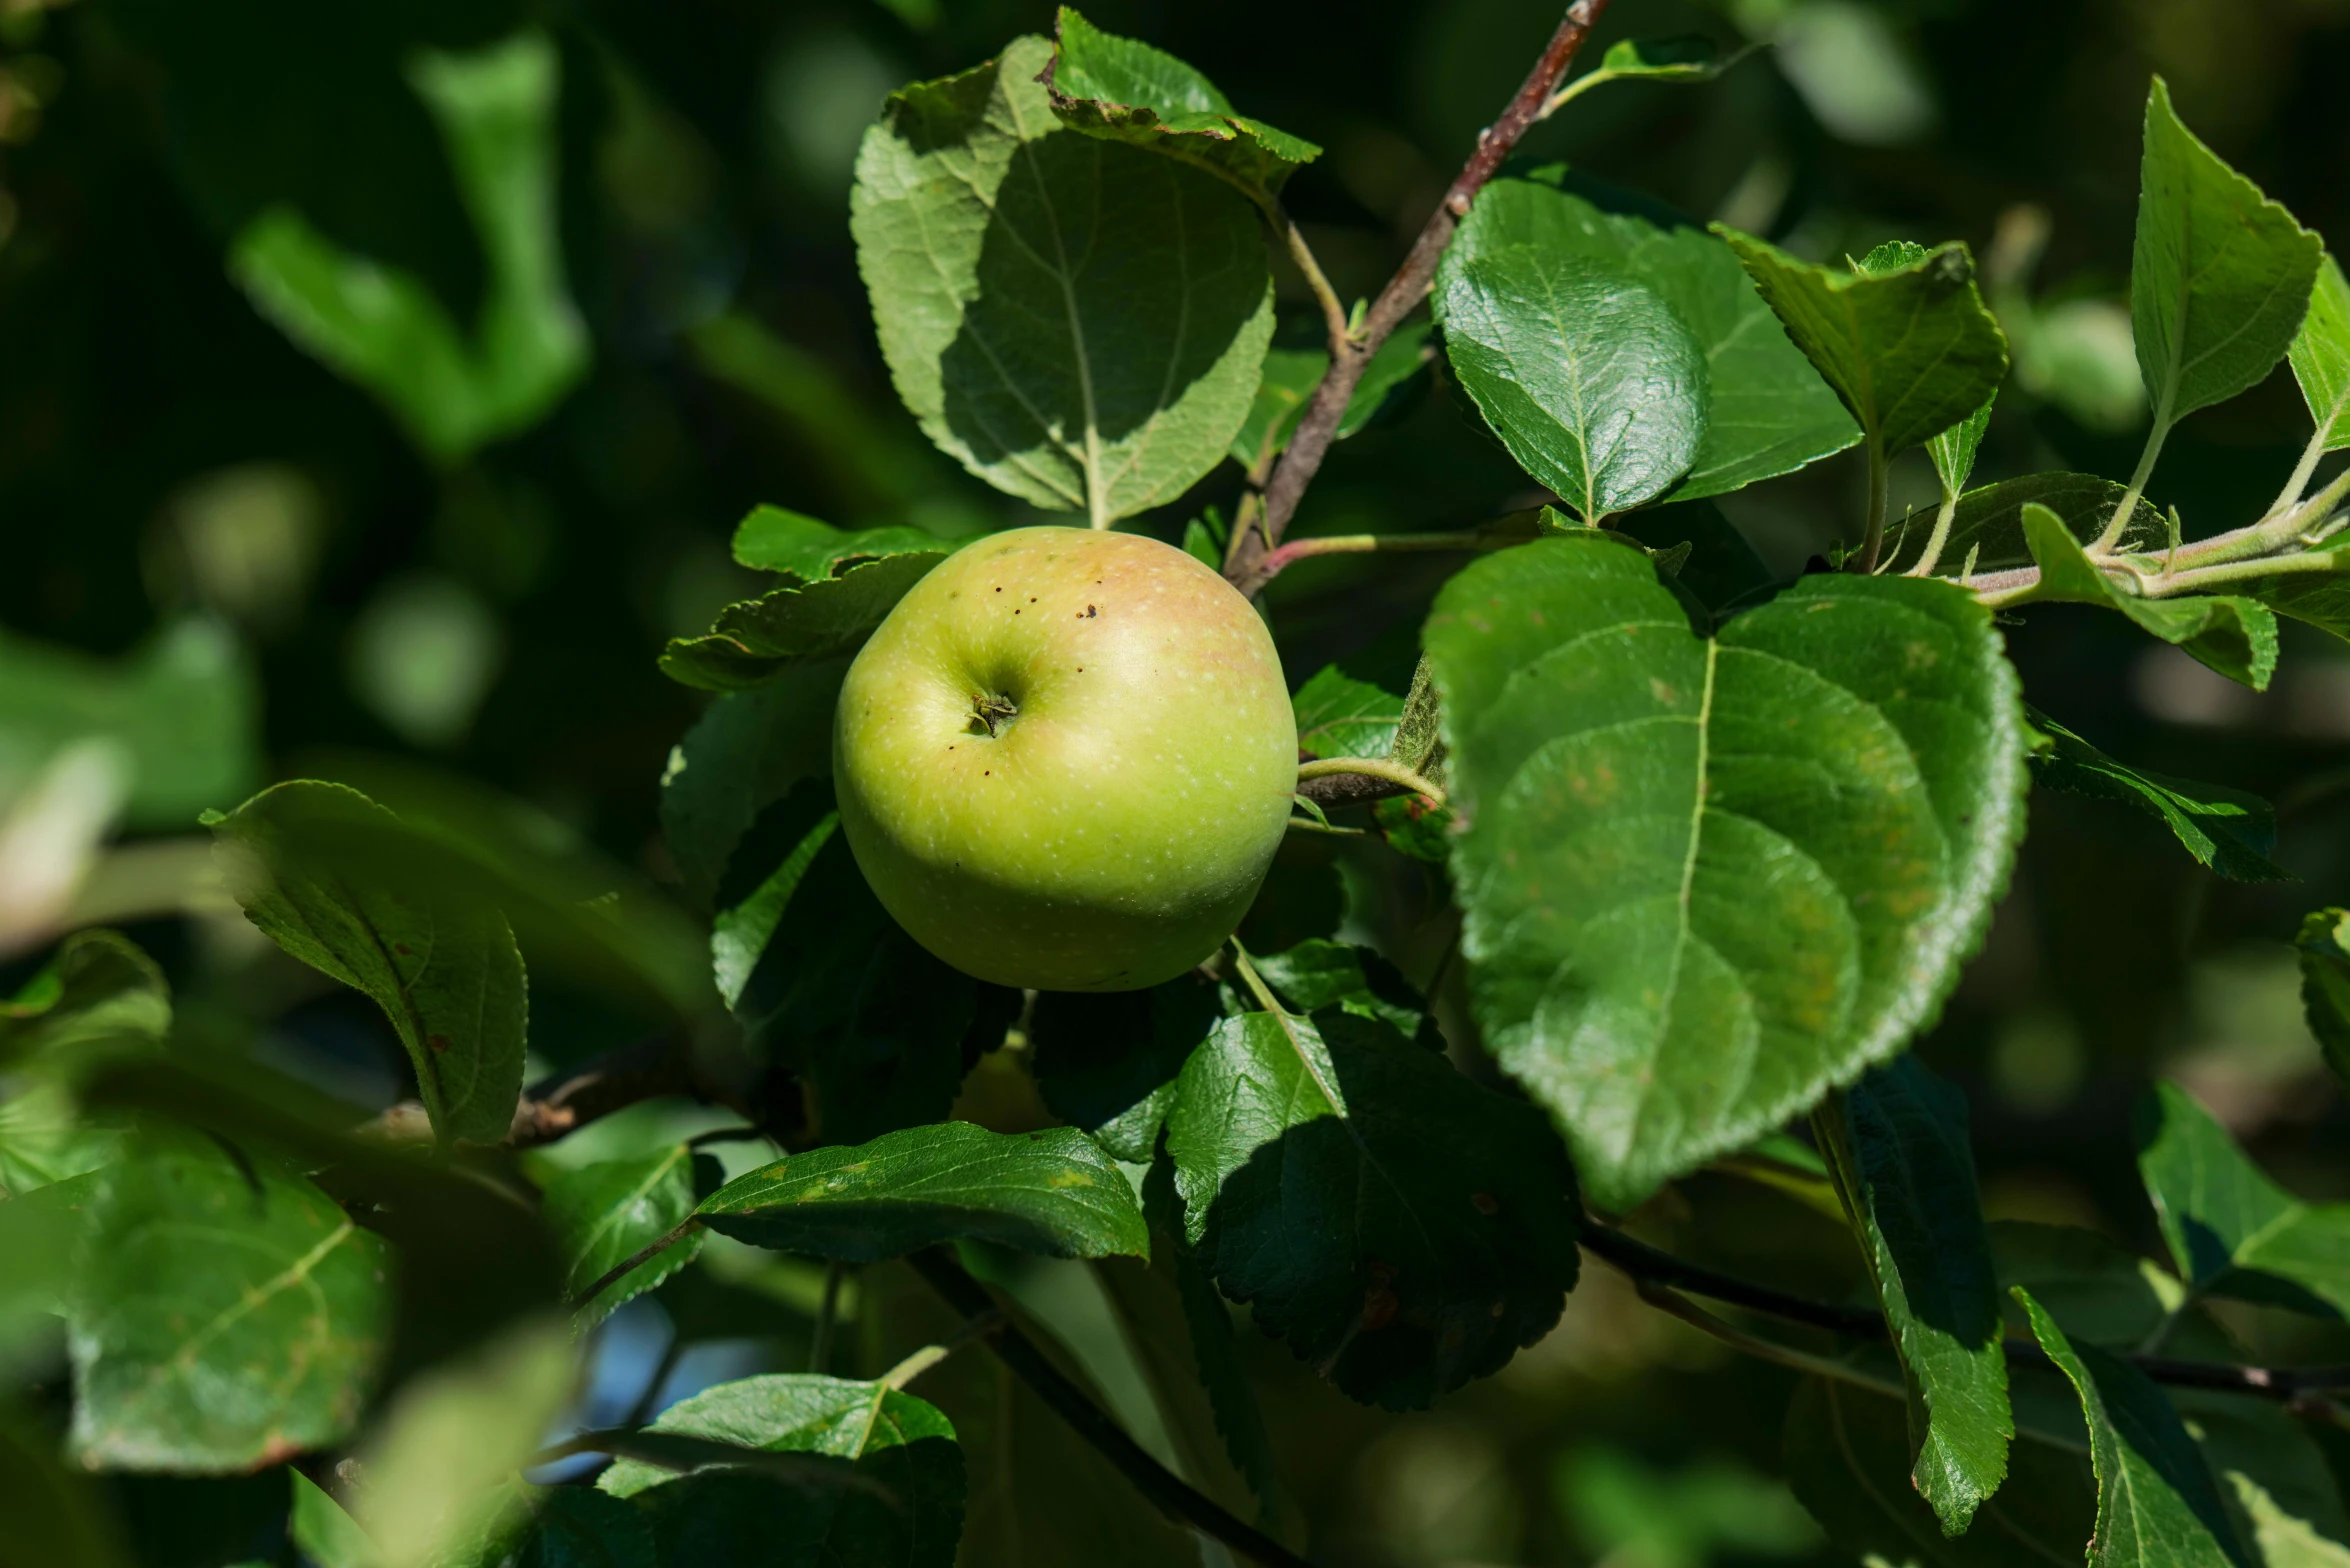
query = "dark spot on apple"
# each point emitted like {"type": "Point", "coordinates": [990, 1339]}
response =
{"type": "Point", "coordinates": [1032, 598]}
{"type": "Point", "coordinates": [1091, 612]}
{"type": "Point", "coordinates": [999, 590]}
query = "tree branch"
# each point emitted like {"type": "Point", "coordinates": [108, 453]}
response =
{"type": "Point", "coordinates": [1177, 1500]}
{"type": "Point", "coordinates": [1404, 291]}
{"type": "Point", "coordinates": [1655, 1272]}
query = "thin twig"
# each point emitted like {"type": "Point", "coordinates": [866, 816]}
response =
{"type": "Point", "coordinates": [635, 1260]}
{"type": "Point", "coordinates": [1403, 293]}
{"type": "Point", "coordinates": [1174, 1498]}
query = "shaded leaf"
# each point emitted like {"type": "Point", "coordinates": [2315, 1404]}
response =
{"type": "Point", "coordinates": [340, 884]}
{"type": "Point", "coordinates": [1589, 379]}
{"type": "Point", "coordinates": [891, 1438]}
{"type": "Point", "coordinates": [745, 753]}
{"type": "Point", "coordinates": [56, 1517]}
{"type": "Point", "coordinates": [802, 624]}
{"type": "Point", "coordinates": [604, 1212]}
{"type": "Point", "coordinates": [1291, 374]}
{"type": "Point", "coordinates": [1125, 90]}
{"type": "Point", "coordinates": [2231, 1231]}
{"type": "Point", "coordinates": [1989, 522]}
{"type": "Point", "coordinates": [1722, 568]}
{"type": "Point", "coordinates": [1705, 878]}
{"type": "Point", "coordinates": [1688, 58]}
{"type": "Point", "coordinates": [101, 988]}
{"type": "Point", "coordinates": [2096, 1289]}
{"type": "Point", "coordinates": [2321, 355]}
{"type": "Point", "coordinates": [2156, 1504]}
{"type": "Point", "coordinates": [2220, 275]}
{"type": "Point", "coordinates": [1912, 351]}
{"type": "Point", "coordinates": [1079, 322]}
{"type": "Point", "coordinates": [773, 539]}
{"type": "Point", "coordinates": [1339, 716]}
{"type": "Point", "coordinates": [1050, 1192]}
{"type": "Point", "coordinates": [1319, 974]}
{"type": "Point", "coordinates": [2235, 636]}
{"type": "Point", "coordinates": [226, 1314]}
{"type": "Point", "coordinates": [1107, 1061]}
{"type": "Point", "coordinates": [1897, 1143]}
{"type": "Point", "coordinates": [380, 326]}
{"type": "Point", "coordinates": [1767, 411]}
{"type": "Point", "coordinates": [2324, 944]}
{"type": "Point", "coordinates": [1402, 1228]}
{"type": "Point", "coordinates": [2231, 832]}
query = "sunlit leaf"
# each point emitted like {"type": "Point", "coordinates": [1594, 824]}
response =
{"type": "Point", "coordinates": [773, 539]}
{"type": "Point", "coordinates": [1339, 716]}
{"type": "Point", "coordinates": [1707, 877]}
{"type": "Point", "coordinates": [2234, 635]}
{"type": "Point", "coordinates": [2324, 944]}
{"type": "Point", "coordinates": [797, 625]}
{"type": "Point", "coordinates": [1988, 525]}
{"type": "Point", "coordinates": [603, 1213]}
{"type": "Point", "coordinates": [2321, 355]}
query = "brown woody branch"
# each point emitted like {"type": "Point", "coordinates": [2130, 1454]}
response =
{"type": "Point", "coordinates": [645, 1070]}
{"type": "Point", "coordinates": [1245, 565]}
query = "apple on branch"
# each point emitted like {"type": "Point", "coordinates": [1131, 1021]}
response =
{"type": "Point", "coordinates": [1066, 758]}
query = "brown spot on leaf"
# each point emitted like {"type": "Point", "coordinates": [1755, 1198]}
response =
{"type": "Point", "coordinates": [403, 949]}
{"type": "Point", "coordinates": [1379, 1308]}
{"type": "Point", "coordinates": [439, 1042]}
{"type": "Point", "coordinates": [1485, 1202]}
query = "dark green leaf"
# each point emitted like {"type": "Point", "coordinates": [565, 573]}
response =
{"type": "Point", "coordinates": [578, 1528]}
{"type": "Point", "coordinates": [1590, 380]}
{"type": "Point", "coordinates": [1767, 412]}
{"type": "Point", "coordinates": [1339, 716]}
{"type": "Point", "coordinates": [1705, 878]}
{"type": "Point", "coordinates": [2096, 1289]}
{"type": "Point", "coordinates": [2324, 943]}
{"type": "Point", "coordinates": [1124, 90]}
{"type": "Point", "coordinates": [2220, 275]}
{"type": "Point", "coordinates": [2235, 636]}
{"type": "Point", "coordinates": [791, 627]}
{"type": "Point", "coordinates": [1319, 974]}
{"type": "Point", "coordinates": [1107, 1061]}
{"type": "Point", "coordinates": [2280, 1492]}
{"type": "Point", "coordinates": [2156, 1504]}
{"type": "Point", "coordinates": [1989, 522]}
{"type": "Point", "coordinates": [772, 539]}
{"type": "Point", "coordinates": [1847, 1456]}
{"type": "Point", "coordinates": [1049, 1192]}
{"type": "Point", "coordinates": [1079, 322]}
{"type": "Point", "coordinates": [381, 327]}
{"type": "Point", "coordinates": [1722, 567]}
{"type": "Point", "coordinates": [2321, 597]}
{"type": "Point", "coordinates": [227, 1314]}
{"type": "Point", "coordinates": [745, 754]}
{"type": "Point", "coordinates": [2232, 1231]}
{"type": "Point", "coordinates": [100, 989]}
{"type": "Point", "coordinates": [1291, 374]}
{"type": "Point", "coordinates": [2231, 832]}
{"type": "Point", "coordinates": [184, 712]}
{"type": "Point", "coordinates": [891, 1438]}
{"type": "Point", "coordinates": [1911, 351]}
{"type": "Point", "coordinates": [2321, 355]}
{"type": "Point", "coordinates": [603, 1213]}
{"type": "Point", "coordinates": [1402, 1228]}
{"type": "Point", "coordinates": [339, 883]}
{"type": "Point", "coordinates": [1897, 1142]}
{"type": "Point", "coordinates": [56, 1518]}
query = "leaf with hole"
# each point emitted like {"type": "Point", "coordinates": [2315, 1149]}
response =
{"type": "Point", "coordinates": [1402, 1228]}
{"type": "Point", "coordinates": [1767, 411]}
{"type": "Point", "coordinates": [1049, 1192]}
{"type": "Point", "coordinates": [1077, 321]}
{"type": "Point", "coordinates": [1706, 877]}
{"type": "Point", "coordinates": [2231, 832]}
{"type": "Point", "coordinates": [1589, 378]}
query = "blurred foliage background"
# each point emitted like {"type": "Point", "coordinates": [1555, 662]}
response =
{"type": "Point", "coordinates": [370, 416]}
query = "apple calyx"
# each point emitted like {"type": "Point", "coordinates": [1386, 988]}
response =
{"type": "Point", "coordinates": [991, 711]}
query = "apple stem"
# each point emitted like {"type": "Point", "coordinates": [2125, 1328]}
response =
{"type": "Point", "coordinates": [1372, 767]}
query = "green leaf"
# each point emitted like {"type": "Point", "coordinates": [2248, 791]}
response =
{"type": "Point", "coordinates": [772, 539]}
{"type": "Point", "coordinates": [2156, 1504]}
{"type": "Point", "coordinates": [2095, 1288]}
{"type": "Point", "coordinates": [893, 1439]}
{"type": "Point", "coordinates": [2321, 355]}
{"type": "Point", "coordinates": [56, 1517]}
{"type": "Point", "coordinates": [336, 881]}
{"type": "Point", "coordinates": [1048, 1192]}
{"type": "Point", "coordinates": [2231, 1231]}
{"type": "Point", "coordinates": [1079, 322]}
{"type": "Point", "coordinates": [1989, 522]}
{"type": "Point", "coordinates": [1722, 567]}
{"type": "Point", "coordinates": [1767, 411]}
{"type": "Point", "coordinates": [226, 1314]}
{"type": "Point", "coordinates": [747, 752]}
{"type": "Point", "coordinates": [1589, 378]}
{"type": "Point", "coordinates": [2235, 636]}
{"type": "Point", "coordinates": [1953, 451]}
{"type": "Point", "coordinates": [1318, 974]}
{"type": "Point", "coordinates": [380, 326]}
{"type": "Point", "coordinates": [1688, 58]}
{"type": "Point", "coordinates": [797, 625]}
{"type": "Point", "coordinates": [2231, 832]}
{"type": "Point", "coordinates": [101, 988]}
{"type": "Point", "coordinates": [1402, 1228]}
{"type": "Point", "coordinates": [1291, 374]}
{"type": "Point", "coordinates": [1897, 1143]}
{"type": "Point", "coordinates": [2280, 1492]}
{"type": "Point", "coordinates": [1339, 716]}
{"type": "Point", "coordinates": [1847, 1457]}
{"type": "Point", "coordinates": [603, 1213]}
{"type": "Point", "coordinates": [1705, 878]}
{"type": "Point", "coordinates": [44, 1139]}
{"type": "Point", "coordinates": [1911, 351]}
{"type": "Point", "coordinates": [1108, 1061]}
{"type": "Point", "coordinates": [185, 711]}
{"type": "Point", "coordinates": [2220, 276]}
{"type": "Point", "coordinates": [323, 1533]}
{"type": "Point", "coordinates": [2324, 944]}
{"type": "Point", "coordinates": [1123, 90]}
{"type": "Point", "coordinates": [573, 1527]}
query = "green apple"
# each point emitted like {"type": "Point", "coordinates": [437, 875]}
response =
{"type": "Point", "coordinates": [1065, 759]}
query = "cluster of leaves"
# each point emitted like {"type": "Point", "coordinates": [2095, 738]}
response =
{"type": "Point", "coordinates": [1717, 844]}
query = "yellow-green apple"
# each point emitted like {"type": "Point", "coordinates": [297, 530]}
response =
{"type": "Point", "coordinates": [1065, 759]}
